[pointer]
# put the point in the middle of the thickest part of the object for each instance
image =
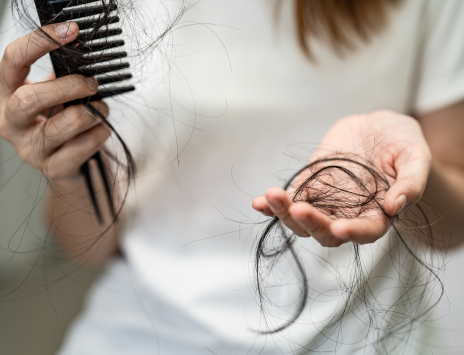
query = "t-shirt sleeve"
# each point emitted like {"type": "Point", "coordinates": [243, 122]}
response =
{"type": "Point", "coordinates": [441, 63]}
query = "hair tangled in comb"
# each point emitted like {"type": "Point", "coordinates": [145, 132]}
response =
{"type": "Point", "coordinates": [147, 35]}
{"type": "Point", "coordinates": [96, 44]}
{"type": "Point", "coordinates": [347, 187]}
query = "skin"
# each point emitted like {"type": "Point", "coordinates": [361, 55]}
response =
{"type": "Point", "coordinates": [420, 156]}
{"type": "Point", "coordinates": [54, 140]}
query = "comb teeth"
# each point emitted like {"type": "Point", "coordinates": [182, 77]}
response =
{"type": "Point", "coordinates": [87, 24]}
{"type": "Point", "coordinates": [86, 48]}
{"type": "Point", "coordinates": [90, 36]}
{"type": "Point", "coordinates": [64, 3]}
{"type": "Point", "coordinates": [87, 19]}
{"type": "Point", "coordinates": [103, 94]}
{"type": "Point", "coordinates": [88, 14]}
{"type": "Point", "coordinates": [68, 14]}
{"type": "Point", "coordinates": [113, 78]}
{"type": "Point", "coordinates": [74, 58]}
{"type": "Point", "coordinates": [92, 71]}
{"type": "Point", "coordinates": [100, 58]}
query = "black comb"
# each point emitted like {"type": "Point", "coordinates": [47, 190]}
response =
{"type": "Point", "coordinates": [84, 55]}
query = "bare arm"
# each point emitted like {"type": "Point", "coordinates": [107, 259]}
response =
{"type": "Point", "coordinates": [74, 225]}
{"type": "Point", "coordinates": [56, 141]}
{"type": "Point", "coordinates": [444, 132]}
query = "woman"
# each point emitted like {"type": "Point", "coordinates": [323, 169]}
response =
{"type": "Point", "coordinates": [182, 285]}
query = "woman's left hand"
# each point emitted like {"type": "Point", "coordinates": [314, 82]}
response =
{"type": "Point", "coordinates": [396, 146]}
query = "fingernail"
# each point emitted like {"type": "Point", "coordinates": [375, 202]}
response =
{"type": "Point", "coordinates": [65, 30]}
{"type": "Point", "coordinates": [399, 204]}
{"type": "Point", "coordinates": [276, 205]}
{"type": "Point", "coordinates": [93, 84]}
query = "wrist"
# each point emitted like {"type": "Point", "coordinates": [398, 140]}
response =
{"type": "Point", "coordinates": [73, 186]}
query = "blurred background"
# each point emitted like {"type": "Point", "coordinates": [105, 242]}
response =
{"type": "Point", "coordinates": [41, 292]}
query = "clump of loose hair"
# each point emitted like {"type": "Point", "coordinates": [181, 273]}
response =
{"type": "Point", "coordinates": [346, 187]}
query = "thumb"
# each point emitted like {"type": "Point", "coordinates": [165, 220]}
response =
{"type": "Point", "coordinates": [410, 184]}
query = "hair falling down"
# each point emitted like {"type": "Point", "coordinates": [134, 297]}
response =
{"type": "Point", "coordinates": [341, 187]}
{"type": "Point", "coordinates": [347, 187]}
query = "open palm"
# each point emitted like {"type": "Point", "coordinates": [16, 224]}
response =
{"type": "Point", "coordinates": [395, 145]}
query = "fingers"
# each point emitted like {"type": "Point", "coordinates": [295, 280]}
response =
{"type": "Point", "coordinates": [260, 204]}
{"type": "Point", "coordinates": [69, 123]}
{"type": "Point", "coordinates": [305, 220]}
{"type": "Point", "coordinates": [280, 202]}
{"type": "Point", "coordinates": [412, 175]}
{"type": "Point", "coordinates": [68, 159]}
{"type": "Point", "coordinates": [360, 230]}
{"type": "Point", "coordinates": [59, 146]}
{"type": "Point", "coordinates": [30, 100]}
{"type": "Point", "coordinates": [315, 224]}
{"type": "Point", "coordinates": [23, 52]}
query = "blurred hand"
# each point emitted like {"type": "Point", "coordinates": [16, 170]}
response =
{"type": "Point", "coordinates": [32, 118]}
{"type": "Point", "coordinates": [396, 146]}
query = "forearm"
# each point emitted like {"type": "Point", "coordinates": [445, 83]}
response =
{"type": "Point", "coordinates": [444, 131]}
{"type": "Point", "coordinates": [445, 194]}
{"type": "Point", "coordinates": [74, 225]}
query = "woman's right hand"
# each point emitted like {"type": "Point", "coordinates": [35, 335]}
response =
{"type": "Point", "coordinates": [56, 141]}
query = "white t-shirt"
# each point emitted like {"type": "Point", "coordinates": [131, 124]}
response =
{"type": "Point", "coordinates": [238, 110]}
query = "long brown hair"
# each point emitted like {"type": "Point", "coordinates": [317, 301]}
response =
{"type": "Point", "coordinates": [340, 22]}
